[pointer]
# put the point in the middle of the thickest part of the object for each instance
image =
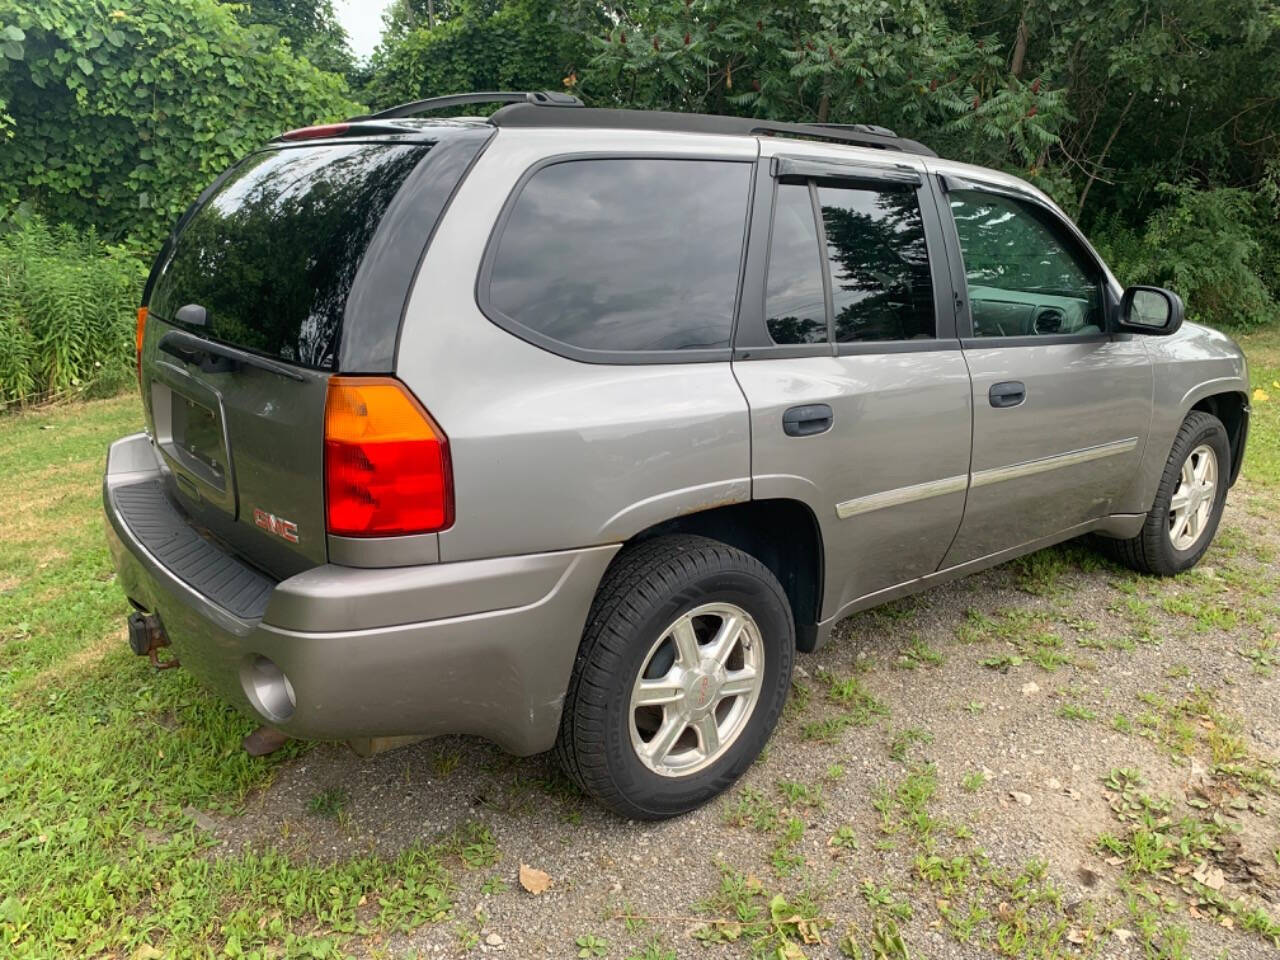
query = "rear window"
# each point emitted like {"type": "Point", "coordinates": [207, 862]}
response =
{"type": "Point", "coordinates": [272, 255]}
{"type": "Point", "coordinates": [623, 255]}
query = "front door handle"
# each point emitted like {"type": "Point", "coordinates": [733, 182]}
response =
{"type": "Point", "coordinates": [808, 420]}
{"type": "Point", "coordinates": [1008, 393]}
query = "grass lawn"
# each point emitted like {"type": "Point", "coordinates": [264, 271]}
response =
{"type": "Point", "coordinates": [100, 761]}
{"type": "Point", "coordinates": [1262, 463]}
{"type": "Point", "coordinates": [106, 773]}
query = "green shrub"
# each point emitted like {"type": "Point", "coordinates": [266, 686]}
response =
{"type": "Point", "coordinates": [1204, 244]}
{"type": "Point", "coordinates": [67, 309]}
{"type": "Point", "coordinates": [118, 114]}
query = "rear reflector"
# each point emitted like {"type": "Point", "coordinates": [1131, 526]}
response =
{"type": "Point", "coordinates": [386, 463]}
{"type": "Point", "coordinates": [317, 133]}
{"type": "Point", "coordinates": [138, 333]}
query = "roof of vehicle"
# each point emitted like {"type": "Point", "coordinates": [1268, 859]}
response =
{"type": "Point", "coordinates": [546, 109]}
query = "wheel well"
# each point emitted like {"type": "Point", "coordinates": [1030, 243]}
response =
{"type": "Point", "coordinates": [781, 534]}
{"type": "Point", "coordinates": [1229, 408]}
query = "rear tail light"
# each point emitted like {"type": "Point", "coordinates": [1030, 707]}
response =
{"type": "Point", "coordinates": [138, 334]}
{"type": "Point", "coordinates": [386, 463]}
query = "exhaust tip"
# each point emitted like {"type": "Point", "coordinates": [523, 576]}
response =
{"type": "Point", "coordinates": [268, 689]}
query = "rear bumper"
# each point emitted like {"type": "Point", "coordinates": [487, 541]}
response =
{"type": "Point", "coordinates": [482, 647]}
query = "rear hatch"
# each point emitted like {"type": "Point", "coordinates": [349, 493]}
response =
{"type": "Point", "coordinates": [293, 267]}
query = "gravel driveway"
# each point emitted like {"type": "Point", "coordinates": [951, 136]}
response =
{"type": "Point", "coordinates": [1055, 758]}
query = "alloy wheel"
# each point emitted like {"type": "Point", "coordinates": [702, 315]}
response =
{"type": "Point", "coordinates": [1193, 499]}
{"type": "Point", "coordinates": [696, 689]}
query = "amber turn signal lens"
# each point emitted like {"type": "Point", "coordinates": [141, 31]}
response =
{"type": "Point", "coordinates": [138, 333]}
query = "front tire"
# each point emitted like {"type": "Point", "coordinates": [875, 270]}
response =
{"type": "Point", "coordinates": [681, 676]}
{"type": "Point", "coordinates": [1189, 501]}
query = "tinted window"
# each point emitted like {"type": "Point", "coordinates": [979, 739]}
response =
{"type": "Point", "coordinates": [795, 305]}
{"type": "Point", "coordinates": [627, 254]}
{"type": "Point", "coordinates": [881, 288]}
{"type": "Point", "coordinates": [272, 255]}
{"type": "Point", "coordinates": [1024, 272]}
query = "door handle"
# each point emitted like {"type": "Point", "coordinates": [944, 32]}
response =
{"type": "Point", "coordinates": [1008, 393]}
{"type": "Point", "coordinates": [808, 420]}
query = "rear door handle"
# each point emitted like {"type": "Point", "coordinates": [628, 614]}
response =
{"type": "Point", "coordinates": [808, 420]}
{"type": "Point", "coordinates": [1008, 393]}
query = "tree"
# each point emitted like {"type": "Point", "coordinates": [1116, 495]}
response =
{"type": "Point", "coordinates": [123, 112]}
{"type": "Point", "coordinates": [898, 63]}
{"type": "Point", "coordinates": [483, 45]}
{"type": "Point", "coordinates": [311, 27]}
{"type": "Point", "coordinates": [1155, 122]}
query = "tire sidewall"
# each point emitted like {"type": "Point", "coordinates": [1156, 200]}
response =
{"type": "Point", "coordinates": [650, 794]}
{"type": "Point", "coordinates": [1213, 435]}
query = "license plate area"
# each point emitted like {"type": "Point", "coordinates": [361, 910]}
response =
{"type": "Point", "coordinates": [190, 427]}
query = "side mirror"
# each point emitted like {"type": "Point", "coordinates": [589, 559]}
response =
{"type": "Point", "coordinates": [1150, 310]}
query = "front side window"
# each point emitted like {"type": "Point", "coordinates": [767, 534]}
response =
{"type": "Point", "coordinates": [1025, 274]}
{"type": "Point", "coordinates": [627, 254]}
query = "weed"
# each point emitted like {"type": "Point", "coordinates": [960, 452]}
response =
{"type": "Point", "coordinates": [589, 945]}
{"type": "Point", "coordinates": [1263, 655]}
{"type": "Point", "coordinates": [1074, 711]}
{"type": "Point", "coordinates": [752, 809]}
{"type": "Point", "coordinates": [445, 760]}
{"type": "Point", "coordinates": [845, 839]}
{"type": "Point", "coordinates": [801, 794]}
{"type": "Point", "coordinates": [919, 653]}
{"type": "Point", "coordinates": [785, 858]}
{"type": "Point", "coordinates": [473, 844]}
{"type": "Point", "coordinates": [329, 802]}
{"type": "Point", "coordinates": [1002, 663]}
{"type": "Point", "coordinates": [904, 740]}
{"type": "Point", "coordinates": [655, 950]}
{"type": "Point", "coordinates": [494, 885]}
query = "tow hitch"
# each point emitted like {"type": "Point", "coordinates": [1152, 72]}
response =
{"type": "Point", "coordinates": [146, 636]}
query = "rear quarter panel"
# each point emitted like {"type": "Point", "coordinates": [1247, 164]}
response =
{"type": "Point", "coordinates": [551, 453]}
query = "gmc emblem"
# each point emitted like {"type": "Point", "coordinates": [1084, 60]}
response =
{"type": "Point", "coordinates": [286, 529]}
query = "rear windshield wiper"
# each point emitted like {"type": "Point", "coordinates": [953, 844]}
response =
{"type": "Point", "coordinates": [215, 357]}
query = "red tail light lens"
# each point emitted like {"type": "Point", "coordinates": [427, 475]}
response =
{"type": "Point", "coordinates": [138, 333]}
{"type": "Point", "coordinates": [386, 463]}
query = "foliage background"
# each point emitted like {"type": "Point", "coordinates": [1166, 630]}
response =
{"type": "Point", "coordinates": [1156, 123]}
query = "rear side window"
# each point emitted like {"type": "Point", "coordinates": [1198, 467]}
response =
{"type": "Point", "coordinates": [622, 255]}
{"type": "Point", "coordinates": [795, 305]}
{"type": "Point", "coordinates": [272, 255]}
{"type": "Point", "coordinates": [872, 249]}
{"type": "Point", "coordinates": [881, 288]}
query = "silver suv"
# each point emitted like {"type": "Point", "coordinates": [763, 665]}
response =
{"type": "Point", "coordinates": [569, 427]}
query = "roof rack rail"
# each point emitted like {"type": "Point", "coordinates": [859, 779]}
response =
{"type": "Point", "coordinates": [858, 128]}
{"type": "Point", "coordinates": [526, 114]}
{"type": "Point", "coordinates": [541, 98]}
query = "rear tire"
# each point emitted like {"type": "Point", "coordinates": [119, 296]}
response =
{"type": "Point", "coordinates": [1184, 518]}
{"type": "Point", "coordinates": [702, 635]}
